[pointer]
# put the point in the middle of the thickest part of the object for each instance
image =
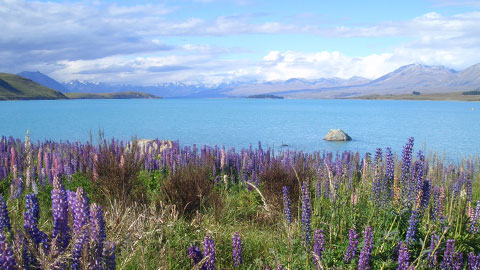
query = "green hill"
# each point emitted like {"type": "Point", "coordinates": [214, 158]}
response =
{"type": "Point", "coordinates": [14, 87]}
{"type": "Point", "coordinates": [116, 95]}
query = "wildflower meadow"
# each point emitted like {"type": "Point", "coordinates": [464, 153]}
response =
{"type": "Point", "coordinates": [160, 205]}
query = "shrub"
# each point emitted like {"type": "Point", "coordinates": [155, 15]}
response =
{"type": "Point", "coordinates": [189, 189]}
{"type": "Point", "coordinates": [116, 172]}
{"type": "Point", "coordinates": [275, 177]}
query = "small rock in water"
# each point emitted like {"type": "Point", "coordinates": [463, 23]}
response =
{"type": "Point", "coordinates": [337, 135]}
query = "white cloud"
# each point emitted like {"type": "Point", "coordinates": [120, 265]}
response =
{"type": "Point", "coordinates": [125, 44]}
{"type": "Point", "coordinates": [282, 66]}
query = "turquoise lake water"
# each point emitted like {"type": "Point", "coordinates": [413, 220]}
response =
{"type": "Point", "coordinates": [451, 128]}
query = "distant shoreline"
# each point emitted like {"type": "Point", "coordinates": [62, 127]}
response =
{"type": "Point", "coordinates": [457, 96]}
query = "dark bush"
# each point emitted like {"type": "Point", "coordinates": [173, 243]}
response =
{"type": "Point", "coordinates": [116, 172]}
{"type": "Point", "coordinates": [277, 176]}
{"type": "Point", "coordinates": [190, 189]}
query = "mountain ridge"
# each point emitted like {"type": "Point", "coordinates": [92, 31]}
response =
{"type": "Point", "coordinates": [44, 80]}
{"type": "Point", "coordinates": [403, 80]}
{"type": "Point", "coordinates": [14, 87]}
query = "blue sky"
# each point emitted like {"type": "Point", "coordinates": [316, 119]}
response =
{"type": "Point", "coordinates": [215, 41]}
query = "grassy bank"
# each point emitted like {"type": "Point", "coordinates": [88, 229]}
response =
{"type": "Point", "coordinates": [164, 204]}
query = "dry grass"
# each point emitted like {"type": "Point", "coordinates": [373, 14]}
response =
{"type": "Point", "coordinates": [138, 230]}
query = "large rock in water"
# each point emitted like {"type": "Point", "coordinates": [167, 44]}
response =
{"type": "Point", "coordinates": [337, 135]}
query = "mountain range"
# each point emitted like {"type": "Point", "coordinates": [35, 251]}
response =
{"type": "Point", "coordinates": [16, 87]}
{"type": "Point", "coordinates": [414, 77]}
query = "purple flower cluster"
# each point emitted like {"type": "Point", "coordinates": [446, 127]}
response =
{"type": "Point", "coordinates": [412, 227]}
{"type": "Point", "coordinates": [318, 246]}
{"type": "Point", "coordinates": [406, 164]}
{"type": "Point", "coordinates": [287, 205]}
{"type": "Point", "coordinates": [352, 246]}
{"type": "Point", "coordinates": [389, 173]}
{"type": "Point", "coordinates": [195, 254]}
{"type": "Point", "coordinates": [97, 236]}
{"type": "Point", "coordinates": [438, 197]}
{"type": "Point", "coordinates": [403, 257]}
{"type": "Point", "coordinates": [4, 218]}
{"type": "Point", "coordinates": [209, 251]}
{"type": "Point", "coordinates": [88, 234]}
{"type": "Point", "coordinates": [109, 255]}
{"type": "Point", "coordinates": [473, 262]}
{"type": "Point", "coordinates": [425, 198]}
{"type": "Point", "coordinates": [458, 261]}
{"type": "Point", "coordinates": [31, 217]}
{"type": "Point", "coordinates": [61, 231]}
{"type": "Point", "coordinates": [237, 249]}
{"type": "Point", "coordinates": [306, 214]}
{"type": "Point", "coordinates": [81, 219]}
{"type": "Point", "coordinates": [7, 261]}
{"type": "Point", "coordinates": [364, 259]}
{"type": "Point", "coordinates": [448, 256]}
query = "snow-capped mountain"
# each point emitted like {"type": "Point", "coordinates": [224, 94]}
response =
{"type": "Point", "coordinates": [414, 77]}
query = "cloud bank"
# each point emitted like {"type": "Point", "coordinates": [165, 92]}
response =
{"type": "Point", "coordinates": [133, 44]}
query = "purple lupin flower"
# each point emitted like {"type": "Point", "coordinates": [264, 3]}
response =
{"type": "Point", "coordinates": [458, 261]}
{"type": "Point", "coordinates": [438, 196]}
{"type": "Point", "coordinates": [473, 262]}
{"type": "Point", "coordinates": [319, 184]}
{"type": "Point", "coordinates": [425, 199]}
{"type": "Point", "coordinates": [403, 257]}
{"type": "Point", "coordinates": [287, 205]}
{"type": "Point", "coordinates": [195, 254]}
{"type": "Point", "coordinates": [97, 236]}
{"type": "Point", "coordinates": [468, 188]}
{"type": "Point", "coordinates": [81, 218]}
{"type": "Point", "coordinates": [109, 255]}
{"type": "Point", "coordinates": [406, 164]}
{"type": "Point", "coordinates": [364, 259]}
{"type": "Point", "coordinates": [237, 249]}
{"type": "Point", "coordinates": [352, 246]}
{"type": "Point", "coordinates": [412, 227]}
{"type": "Point", "coordinates": [306, 214]}
{"type": "Point", "coordinates": [448, 262]}
{"type": "Point", "coordinates": [255, 179]}
{"type": "Point", "coordinates": [61, 231]}
{"type": "Point", "coordinates": [209, 251]}
{"type": "Point", "coordinates": [326, 189]}
{"type": "Point", "coordinates": [318, 246]}
{"type": "Point", "coordinates": [16, 188]}
{"type": "Point", "coordinates": [71, 199]}
{"type": "Point", "coordinates": [4, 218]}
{"type": "Point", "coordinates": [389, 173]}
{"type": "Point", "coordinates": [7, 261]}
{"type": "Point", "coordinates": [31, 217]}
{"type": "Point", "coordinates": [432, 256]}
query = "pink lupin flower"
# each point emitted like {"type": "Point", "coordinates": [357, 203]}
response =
{"type": "Point", "coordinates": [354, 198]}
{"type": "Point", "coordinates": [13, 160]}
{"type": "Point", "coordinates": [95, 164]}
